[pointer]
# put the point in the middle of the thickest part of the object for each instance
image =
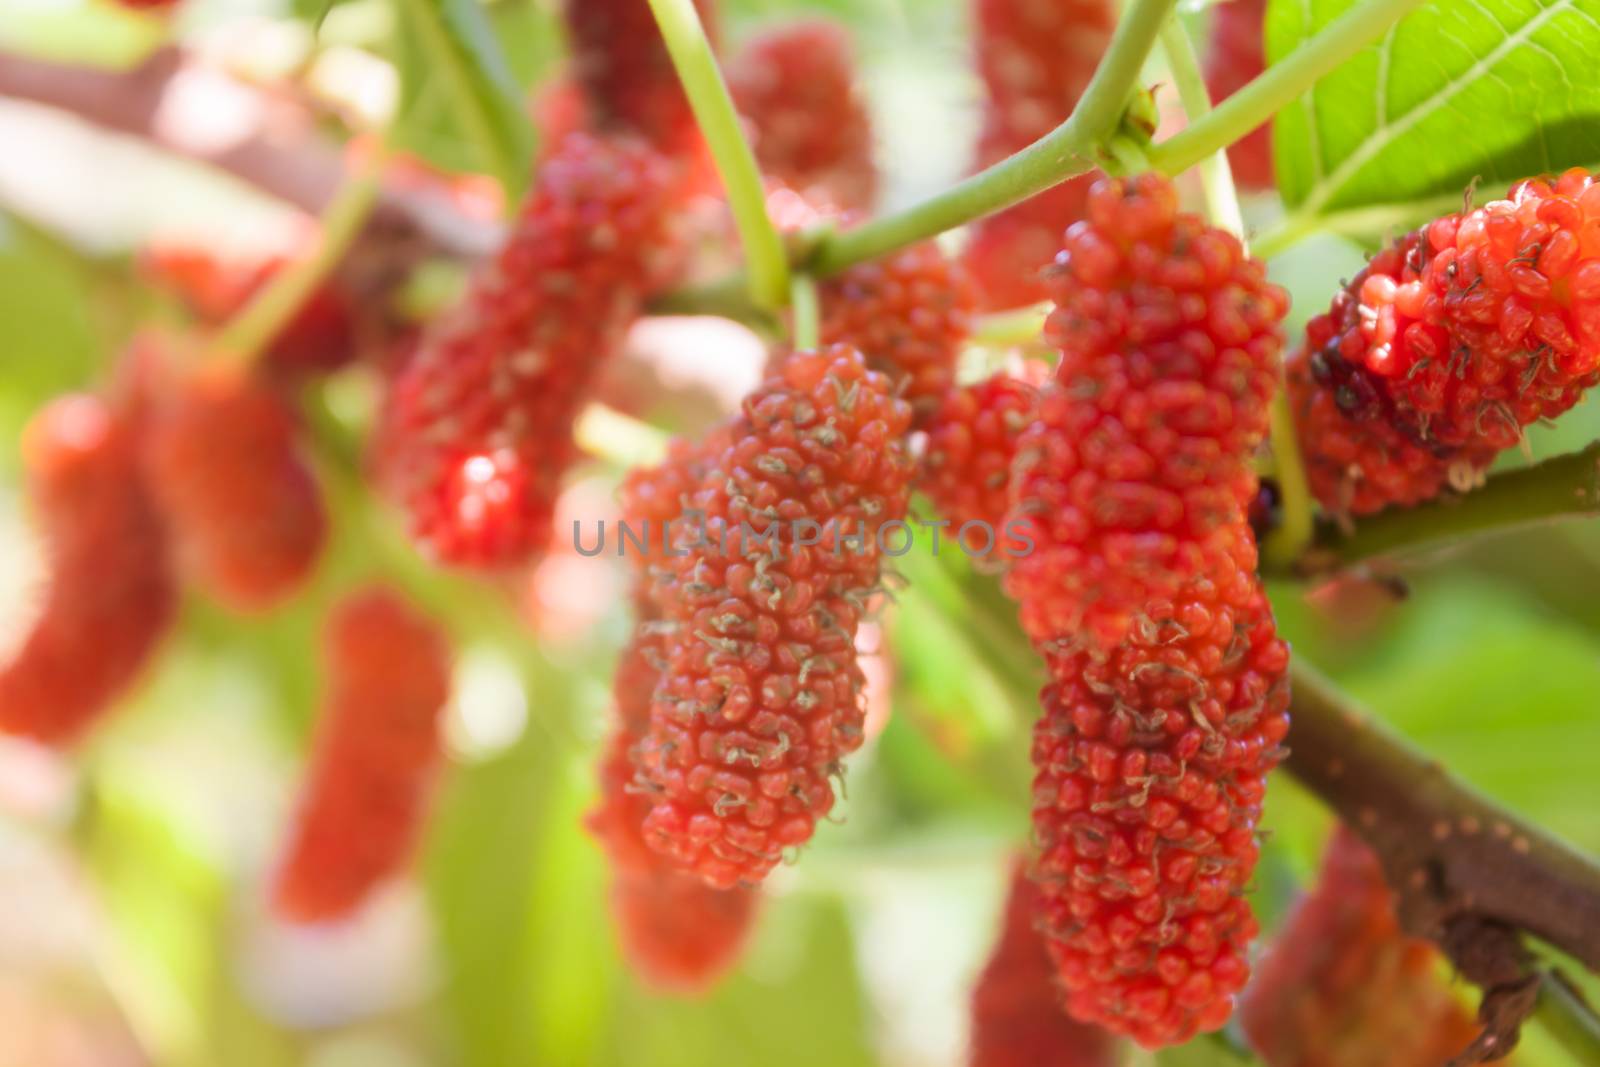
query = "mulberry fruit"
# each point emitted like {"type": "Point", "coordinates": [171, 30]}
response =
{"type": "Point", "coordinates": [910, 313]}
{"type": "Point", "coordinates": [1137, 479]}
{"type": "Point", "coordinates": [1035, 60]}
{"type": "Point", "coordinates": [478, 428]}
{"type": "Point", "coordinates": [111, 594]}
{"type": "Point", "coordinates": [620, 59]}
{"type": "Point", "coordinates": [1237, 54]}
{"type": "Point", "coordinates": [761, 695]}
{"type": "Point", "coordinates": [1017, 1019]}
{"type": "Point", "coordinates": [1342, 985]}
{"type": "Point", "coordinates": [376, 753]}
{"type": "Point", "coordinates": [972, 444]}
{"type": "Point", "coordinates": [796, 86]}
{"type": "Point", "coordinates": [246, 513]}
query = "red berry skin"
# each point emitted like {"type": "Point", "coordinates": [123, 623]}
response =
{"type": "Point", "coordinates": [1237, 53]}
{"type": "Point", "coordinates": [477, 430]}
{"type": "Point", "coordinates": [910, 313]}
{"type": "Point", "coordinates": [972, 446]}
{"type": "Point", "coordinates": [1342, 985]}
{"type": "Point", "coordinates": [1017, 1018]}
{"type": "Point", "coordinates": [111, 595]}
{"type": "Point", "coordinates": [761, 697]}
{"type": "Point", "coordinates": [1035, 60]}
{"type": "Point", "coordinates": [377, 751]}
{"type": "Point", "coordinates": [246, 513]}
{"type": "Point", "coordinates": [1136, 478]}
{"type": "Point", "coordinates": [620, 59]}
{"type": "Point", "coordinates": [796, 86]}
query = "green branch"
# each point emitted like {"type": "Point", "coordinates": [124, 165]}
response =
{"type": "Point", "coordinates": [1557, 488]}
{"type": "Point", "coordinates": [807, 312]}
{"type": "Point", "coordinates": [765, 257]}
{"type": "Point", "coordinates": [1222, 199]}
{"type": "Point", "coordinates": [1070, 149]}
{"type": "Point", "coordinates": [1281, 83]}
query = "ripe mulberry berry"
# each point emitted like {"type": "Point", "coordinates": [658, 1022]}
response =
{"type": "Point", "coordinates": [1035, 60]}
{"type": "Point", "coordinates": [910, 313]}
{"type": "Point", "coordinates": [1237, 54]}
{"type": "Point", "coordinates": [376, 753]}
{"type": "Point", "coordinates": [972, 444]}
{"type": "Point", "coordinates": [111, 595]}
{"type": "Point", "coordinates": [1343, 986]}
{"type": "Point", "coordinates": [761, 697]}
{"type": "Point", "coordinates": [1136, 480]}
{"type": "Point", "coordinates": [620, 59]}
{"type": "Point", "coordinates": [478, 428]}
{"type": "Point", "coordinates": [245, 510]}
{"type": "Point", "coordinates": [796, 86]}
{"type": "Point", "coordinates": [1017, 1019]}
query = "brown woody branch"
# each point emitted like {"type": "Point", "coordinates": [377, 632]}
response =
{"type": "Point", "coordinates": [283, 155]}
{"type": "Point", "coordinates": [1468, 874]}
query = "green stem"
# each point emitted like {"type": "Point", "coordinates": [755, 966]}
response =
{"type": "Point", "coordinates": [1281, 83]}
{"type": "Point", "coordinates": [249, 332]}
{"type": "Point", "coordinates": [807, 313]}
{"type": "Point", "coordinates": [1068, 150]}
{"type": "Point", "coordinates": [1288, 541]}
{"type": "Point", "coordinates": [765, 256]}
{"type": "Point", "coordinates": [1216, 176]}
{"type": "Point", "coordinates": [1567, 1018]}
{"type": "Point", "coordinates": [1557, 488]}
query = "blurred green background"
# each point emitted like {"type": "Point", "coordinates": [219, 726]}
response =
{"type": "Point", "coordinates": [131, 923]}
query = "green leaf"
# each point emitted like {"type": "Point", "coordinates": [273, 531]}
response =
{"type": "Point", "coordinates": [448, 46]}
{"type": "Point", "coordinates": [1492, 90]}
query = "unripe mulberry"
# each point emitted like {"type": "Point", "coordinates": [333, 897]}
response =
{"type": "Point", "coordinates": [111, 595]}
{"type": "Point", "coordinates": [1017, 1018]}
{"type": "Point", "coordinates": [1343, 986]}
{"type": "Point", "coordinates": [910, 313]}
{"type": "Point", "coordinates": [620, 59]}
{"type": "Point", "coordinates": [377, 750]}
{"type": "Point", "coordinates": [796, 86]}
{"type": "Point", "coordinates": [1237, 54]}
{"type": "Point", "coordinates": [1035, 60]}
{"type": "Point", "coordinates": [478, 428]}
{"type": "Point", "coordinates": [761, 697]}
{"type": "Point", "coordinates": [972, 445]}
{"type": "Point", "coordinates": [1136, 480]}
{"type": "Point", "coordinates": [246, 513]}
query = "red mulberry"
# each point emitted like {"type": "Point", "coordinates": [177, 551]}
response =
{"type": "Point", "coordinates": [1343, 986]}
{"type": "Point", "coordinates": [111, 595]}
{"type": "Point", "coordinates": [1237, 54]}
{"type": "Point", "coordinates": [796, 85]}
{"type": "Point", "coordinates": [1017, 1020]}
{"type": "Point", "coordinates": [621, 61]}
{"type": "Point", "coordinates": [972, 443]}
{"type": "Point", "coordinates": [1137, 479]}
{"type": "Point", "coordinates": [478, 431]}
{"type": "Point", "coordinates": [377, 749]}
{"type": "Point", "coordinates": [761, 696]}
{"type": "Point", "coordinates": [246, 513]}
{"type": "Point", "coordinates": [1035, 59]}
{"type": "Point", "coordinates": [910, 313]}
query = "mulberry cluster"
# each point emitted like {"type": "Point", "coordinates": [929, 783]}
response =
{"type": "Point", "coordinates": [910, 313]}
{"type": "Point", "coordinates": [1168, 700]}
{"type": "Point", "coordinates": [1343, 985]}
{"type": "Point", "coordinates": [377, 748]}
{"type": "Point", "coordinates": [796, 87]}
{"type": "Point", "coordinates": [478, 428]}
{"type": "Point", "coordinates": [972, 445]}
{"type": "Point", "coordinates": [1237, 54]}
{"type": "Point", "coordinates": [1016, 1015]}
{"type": "Point", "coordinates": [1035, 60]}
{"type": "Point", "coordinates": [111, 594]}
{"type": "Point", "coordinates": [621, 61]}
{"type": "Point", "coordinates": [246, 512]}
{"type": "Point", "coordinates": [1450, 342]}
{"type": "Point", "coordinates": [760, 698]}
